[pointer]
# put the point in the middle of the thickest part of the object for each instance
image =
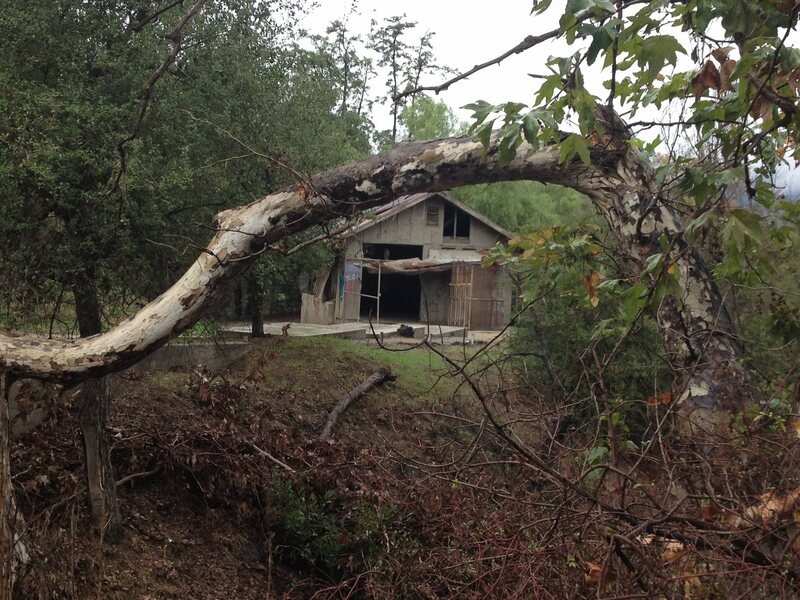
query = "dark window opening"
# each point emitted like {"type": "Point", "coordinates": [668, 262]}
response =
{"type": "Point", "coordinates": [432, 214]}
{"type": "Point", "coordinates": [392, 251]}
{"type": "Point", "coordinates": [456, 223]}
{"type": "Point", "coordinates": [400, 295]}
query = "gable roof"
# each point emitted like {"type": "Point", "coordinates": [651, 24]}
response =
{"type": "Point", "coordinates": [402, 203]}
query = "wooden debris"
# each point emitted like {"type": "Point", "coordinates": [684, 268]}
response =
{"type": "Point", "coordinates": [377, 378]}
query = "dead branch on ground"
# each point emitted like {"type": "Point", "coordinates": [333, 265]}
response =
{"type": "Point", "coordinates": [378, 378]}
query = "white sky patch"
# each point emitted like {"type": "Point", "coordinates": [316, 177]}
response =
{"type": "Point", "coordinates": [467, 33]}
{"type": "Point", "coordinates": [470, 32]}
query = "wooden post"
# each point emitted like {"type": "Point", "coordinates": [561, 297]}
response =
{"type": "Point", "coordinates": [469, 297]}
{"type": "Point", "coordinates": [378, 294]}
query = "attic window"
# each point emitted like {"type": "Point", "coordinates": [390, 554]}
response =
{"type": "Point", "coordinates": [456, 223]}
{"type": "Point", "coordinates": [432, 214]}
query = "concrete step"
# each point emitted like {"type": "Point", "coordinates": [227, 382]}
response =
{"type": "Point", "coordinates": [356, 330]}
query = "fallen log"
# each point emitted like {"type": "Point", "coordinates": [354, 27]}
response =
{"type": "Point", "coordinates": [379, 377]}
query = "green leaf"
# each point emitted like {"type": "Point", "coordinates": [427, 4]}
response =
{"type": "Point", "coordinates": [634, 300]}
{"type": "Point", "coordinates": [539, 6]}
{"type": "Point", "coordinates": [601, 40]}
{"type": "Point", "coordinates": [510, 140]}
{"type": "Point", "coordinates": [630, 446]}
{"type": "Point", "coordinates": [480, 110]}
{"type": "Point", "coordinates": [511, 109]}
{"type": "Point", "coordinates": [652, 262]}
{"type": "Point", "coordinates": [657, 51]}
{"type": "Point", "coordinates": [530, 129]}
{"type": "Point", "coordinates": [484, 133]}
{"type": "Point", "coordinates": [696, 224]}
{"type": "Point", "coordinates": [574, 145]}
{"type": "Point", "coordinates": [596, 455]}
{"type": "Point", "coordinates": [750, 222]}
{"type": "Point", "coordinates": [548, 89]}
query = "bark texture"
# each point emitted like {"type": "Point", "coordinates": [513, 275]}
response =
{"type": "Point", "coordinates": [13, 549]}
{"type": "Point", "coordinates": [379, 377]}
{"type": "Point", "coordinates": [100, 478]}
{"type": "Point", "coordinates": [699, 334]}
{"type": "Point", "coordinates": [697, 331]}
{"type": "Point", "coordinates": [255, 305]}
{"type": "Point", "coordinates": [7, 506]}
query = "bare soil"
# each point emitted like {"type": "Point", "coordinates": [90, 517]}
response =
{"type": "Point", "coordinates": [196, 455]}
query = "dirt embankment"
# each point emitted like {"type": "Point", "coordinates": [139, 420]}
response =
{"type": "Point", "coordinates": [226, 490]}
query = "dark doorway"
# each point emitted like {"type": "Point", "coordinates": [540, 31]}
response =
{"type": "Point", "coordinates": [391, 251]}
{"type": "Point", "coordinates": [400, 295]}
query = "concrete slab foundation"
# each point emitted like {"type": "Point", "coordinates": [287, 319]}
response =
{"type": "Point", "coordinates": [353, 330]}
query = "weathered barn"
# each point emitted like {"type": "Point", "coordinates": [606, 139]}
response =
{"type": "Point", "coordinates": [416, 259]}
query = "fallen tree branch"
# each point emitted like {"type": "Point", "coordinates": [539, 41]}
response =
{"type": "Point", "coordinates": [618, 180]}
{"type": "Point", "coordinates": [271, 458]}
{"type": "Point", "coordinates": [242, 233]}
{"type": "Point", "coordinates": [133, 476]}
{"type": "Point", "coordinates": [378, 378]}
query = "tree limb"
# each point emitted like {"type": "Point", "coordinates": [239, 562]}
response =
{"type": "Point", "coordinates": [244, 232]}
{"type": "Point", "coordinates": [378, 378]}
{"type": "Point", "coordinates": [529, 42]}
{"type": "Point", "coordinates": [176, 37]}
{"type": "Point", "coordinates": [620, 183]}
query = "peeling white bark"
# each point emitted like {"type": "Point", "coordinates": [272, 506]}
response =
{"type": "Point", "coordinates": [14, 554]}
{"type": "Point", "coordinates": [243, 233]}
{"type": "Point", "coordinates": [697, 332]}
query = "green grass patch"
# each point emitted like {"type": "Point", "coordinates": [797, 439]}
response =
{"type": "Point", "coordinates": [420, 373]}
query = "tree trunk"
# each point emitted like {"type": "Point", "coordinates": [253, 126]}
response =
{"type": "Point", "coordinates": [13, 549]}
{"type": "Point", "coordinates": [698, 334]}
{"type": "Point", "coordinates": [255, 304]}
{"type": "Point", "coordinates": [7, 505]}
{"type": "Point", "coordinates": [100, 479]}
{"type": "Point", "coordinates": [238, 304]}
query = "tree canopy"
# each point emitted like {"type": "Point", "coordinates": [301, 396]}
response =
{"type": "Point", "coordinates": [100, 170]}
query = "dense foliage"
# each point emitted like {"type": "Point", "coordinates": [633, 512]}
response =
{"type": "Point", "coordinates": [578, 417]}
{"type": "Point", "coordinates": [239, 104]}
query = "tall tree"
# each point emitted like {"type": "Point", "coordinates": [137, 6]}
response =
{"type": "Point", "coordinates": [428, 119]}
{"type": "Point", "coordinates": [404, 63]}
{"type": "Point", "coordinates": [393, 54]}
{"type": "Point", "coordinates": [104, 162]}
{"type": "Point", "coordinates": [748, 115]}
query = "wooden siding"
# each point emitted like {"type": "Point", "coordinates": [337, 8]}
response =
{"type": "Point", "coordinates": [409, 227]}
{"type": "Point", "coordinates": [479, 298]}
{"type": "Point", "coordinates": [434, 297]}
{"type": "Point", "coordinates": [489, 296]}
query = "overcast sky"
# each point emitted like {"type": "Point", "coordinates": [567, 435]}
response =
{"type": "Point", "coordinates": [467, 32]}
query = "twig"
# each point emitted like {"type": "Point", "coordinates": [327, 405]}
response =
{"type": "Point", "coordinates": [132, 476]}
{"type": "Point", "coordinates": [176, 37]}
{"type": "Point", "coordinates": [318, 238]}
{"type": "Point", "coordinates": [271, 458]}
{"type": "Point", "coordinates": [526, 44]}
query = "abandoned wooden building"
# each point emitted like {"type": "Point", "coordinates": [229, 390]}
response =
{"type": "Point", "coordinates": [416, 259]}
